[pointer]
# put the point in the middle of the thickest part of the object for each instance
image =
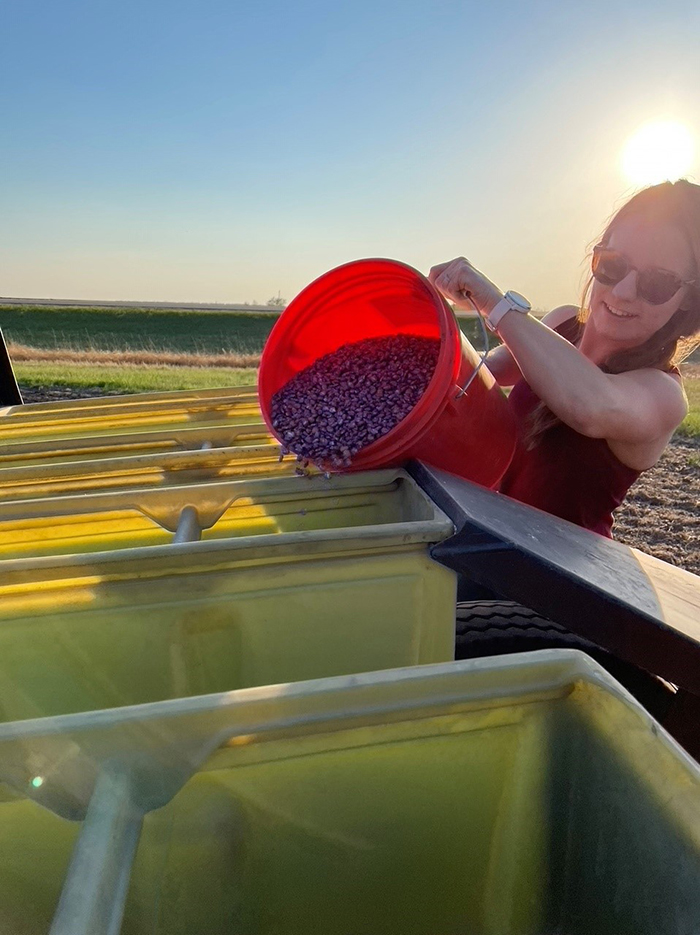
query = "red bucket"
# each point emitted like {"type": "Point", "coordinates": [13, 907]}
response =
{"type": "Point", "coordinates": [471, 434]}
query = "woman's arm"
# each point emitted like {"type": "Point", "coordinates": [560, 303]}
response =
{"type": "Point", "coordinates": [633, 408]}
{"type": "Point", "coordinates": [500, 360]}
{"type": "Point", "coordinates": [502, 365]}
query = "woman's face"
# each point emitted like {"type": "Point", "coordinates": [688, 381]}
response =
{"type": "Point", "coordinates": [617, 312]}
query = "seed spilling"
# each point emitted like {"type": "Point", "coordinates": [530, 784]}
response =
{"type": "Point", "coordinates": [348, 399]}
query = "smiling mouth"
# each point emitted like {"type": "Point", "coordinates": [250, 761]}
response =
{"type": "Point", "coordinates": [616, 313]}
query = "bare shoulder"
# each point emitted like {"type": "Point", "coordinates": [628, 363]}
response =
{"type": "Point", "coordinates": [665, 388]}
{"type": "Point", "coordinates": [559, 315]}
{"type": "Point", "coordinates": [656, 405]}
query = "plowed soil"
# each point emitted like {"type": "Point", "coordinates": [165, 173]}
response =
{"type": "Point", "coordinates": [661, 514]}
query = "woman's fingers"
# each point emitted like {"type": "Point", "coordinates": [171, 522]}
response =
{"type": "Point", "coordinates": [464, 285]}
{"type": "Point", "coordinates": [453, 279]}
{"type": "Point", "coordinates": [436, 271]}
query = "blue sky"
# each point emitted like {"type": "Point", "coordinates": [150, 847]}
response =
{"type": "Point", "coordinates": [227, 152]}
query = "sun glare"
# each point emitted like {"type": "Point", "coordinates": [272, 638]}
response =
{"type": "Point", "coordinates": [657, 152]}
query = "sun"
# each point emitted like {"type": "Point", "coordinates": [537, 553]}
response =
{"type": "Point", "coordinates": [657, 152]}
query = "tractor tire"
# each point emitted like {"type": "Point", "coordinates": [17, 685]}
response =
{"type": "Point", "coordinates": [496, 628]}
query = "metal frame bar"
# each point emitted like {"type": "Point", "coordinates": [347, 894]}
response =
{"type": "Point", "coordinates": [94, 892]}
{"type": "Point", "coordinates": [638, 608]}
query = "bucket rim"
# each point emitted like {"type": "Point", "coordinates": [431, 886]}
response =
{"type": "Point", "coordinates": [436, 394]}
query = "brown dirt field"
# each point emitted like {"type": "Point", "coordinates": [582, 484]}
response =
{"type": "Point", "coordinates": [20, 352]}
{"type": "Point", "coordinates": [661, 515]}
{"type": "Point", "coordinates": [49, 394]}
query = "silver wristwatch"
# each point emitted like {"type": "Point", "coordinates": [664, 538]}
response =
{"type": "Point", "coordinates": [511, 302]}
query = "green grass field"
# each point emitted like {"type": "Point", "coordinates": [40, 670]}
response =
{"type": "Point", "coordinates": [691, 425]}
{"type": "Point", "coordinates": [144, 329]}
{"type": "Point", "coordinates": [132, 379]}
{"type": "Point", "coordinates": [136, 329]}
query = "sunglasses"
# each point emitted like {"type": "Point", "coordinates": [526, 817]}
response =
{"type": "Point", "coordinates": [654, 285]}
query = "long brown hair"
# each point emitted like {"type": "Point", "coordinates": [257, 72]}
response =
{"type": "Point", "coordinates": [676, 203]}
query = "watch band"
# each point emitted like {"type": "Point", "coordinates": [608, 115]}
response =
{"type": "Point", "coordinates": [506, 304]}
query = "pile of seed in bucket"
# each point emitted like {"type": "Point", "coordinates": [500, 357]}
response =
{"type": "Point", "coordinates": [350, 398]}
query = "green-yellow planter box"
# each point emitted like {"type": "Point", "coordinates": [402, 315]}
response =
{"type": "Point", "coordinates": [298, 578]}
{"type": "Point", "coordinates": [519, 795]}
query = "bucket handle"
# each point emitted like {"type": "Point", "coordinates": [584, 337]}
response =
{"type": "Point", "coordinates": [484, 354]}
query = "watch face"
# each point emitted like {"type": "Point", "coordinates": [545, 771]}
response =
{"type": "Point", "coordinates": [519, 300]}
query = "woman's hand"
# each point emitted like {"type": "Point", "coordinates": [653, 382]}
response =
{"type": "Point", "coordinates": [463, 284]}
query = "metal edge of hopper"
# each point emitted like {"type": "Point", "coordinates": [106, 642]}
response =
{"type": "Point", "coordinates": [594, 586]}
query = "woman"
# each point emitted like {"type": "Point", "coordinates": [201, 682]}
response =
{"type": "Point", "coordinates": [596, 391]}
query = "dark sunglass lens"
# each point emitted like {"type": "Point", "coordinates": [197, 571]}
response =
{"type": "Point", "coordinates": [657, 286]}
{"type": "Point", "coordinates": [609, 267]}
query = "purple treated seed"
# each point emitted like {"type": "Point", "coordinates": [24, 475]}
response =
{"type": "Point", "coordinates": [348, 399]}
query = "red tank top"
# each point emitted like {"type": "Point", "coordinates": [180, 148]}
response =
{"type": "Point", "coordinates": [566, 473]}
